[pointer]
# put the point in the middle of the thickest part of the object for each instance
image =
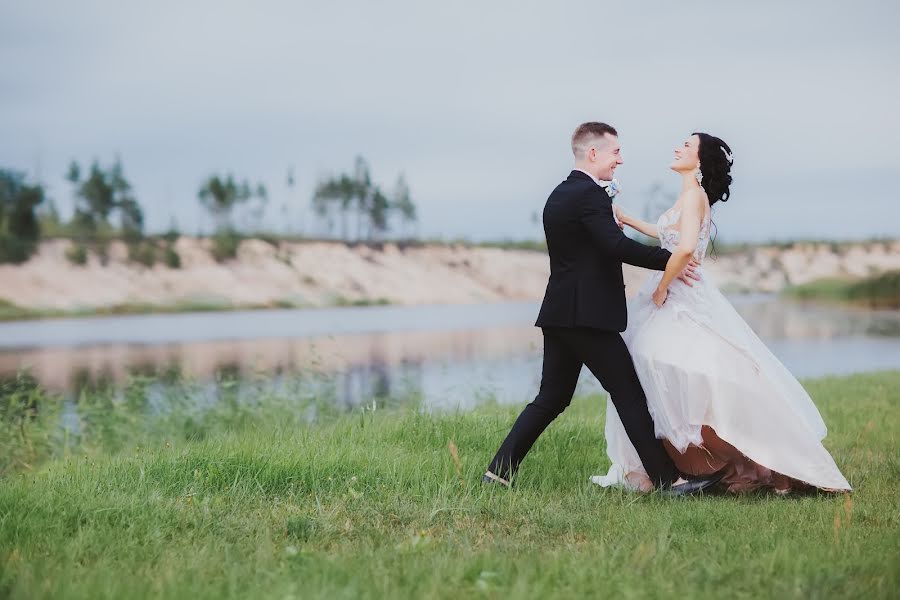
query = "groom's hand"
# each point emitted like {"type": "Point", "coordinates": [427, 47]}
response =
{"type": "Point", "coordinates": [690, 272]}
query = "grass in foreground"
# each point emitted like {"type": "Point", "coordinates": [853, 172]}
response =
{"type": "Point", "coordinates": [388, 504]}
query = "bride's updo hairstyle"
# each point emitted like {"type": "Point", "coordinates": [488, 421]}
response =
{"type": "Point", "coordinates": [715, 164]}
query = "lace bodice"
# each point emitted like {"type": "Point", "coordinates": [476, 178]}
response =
{"type": "Point", "coordinates": [669, 228]}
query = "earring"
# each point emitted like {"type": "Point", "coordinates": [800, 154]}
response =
{"type": "Point", "coordinates": [699, 176]}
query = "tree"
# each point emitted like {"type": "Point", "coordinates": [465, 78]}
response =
{"type": "Point", "coordinates": [220, 195]}
{"type": "Point", "coordinates": [257, 211]}
{"type": "Point", "coordinates": [403, 203]}
{"type": "Point", "coordinates": [345, 193]}
{"type": "Point", "coordinates": [358, 192]}
{"type": "Point", "coordinates": [378, 210]}
{"type": "Point", "coordinates": [331, 194]}
{"type": "Point", "coordinates": [363, 195]}
{"type": "Point", "coordinates": [285, 212]}
{"type": "Point", "coordinates": [101, 194]}
{"type": "Point", "coordinates": [51, 224]}
{"type": "Point", "coordinates": [132, 219]}
{"type": "Point", "coordinates": [19, 225]}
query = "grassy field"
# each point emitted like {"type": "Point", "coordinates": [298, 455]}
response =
{"type": "Point", "coordinates": [253, 502]}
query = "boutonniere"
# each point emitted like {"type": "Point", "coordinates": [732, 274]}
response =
{"type": "Point", "coordinates": [612, 187]}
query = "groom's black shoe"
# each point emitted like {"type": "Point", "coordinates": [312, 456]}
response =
{"type": "Point", "coordinates": [489, 477]}
{"type": "Point", "coordinates": [695, 486]}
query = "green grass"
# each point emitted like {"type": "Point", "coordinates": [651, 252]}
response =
{"type": "Point", "coordinates": [254, 503]}
{"type": "Point", "coordinates": [879, 291]}
{"type": "Point", "coordinates": [837, 247]}
{"type": "Point", "coordinates": [12, 312]}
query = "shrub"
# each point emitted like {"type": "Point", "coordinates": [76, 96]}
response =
{"type": "Point", "coordinates": [225, 245]}
{"type": "Point", "coordinates": [19, 225]}
{"type": "Point", "coordinates": [77, 254]}
{"type": "Point", "coordinates": [880, 291]}
{"type": "Point", "coordinates": [143, 252]}
{"type": "Point", "coordinates": [171, 257]}
{"type": "Point", "coordinates": [15, 249]}
{"type": "Point", "coordinates": [172, 235]}
{"type": "Point", "coordinates": [269, 238]}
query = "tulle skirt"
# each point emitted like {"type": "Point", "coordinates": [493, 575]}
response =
{"type": "Point", "coordinates": [718, 397]}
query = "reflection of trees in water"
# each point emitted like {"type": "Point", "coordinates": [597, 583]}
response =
{"type": "Point", "coordinates": [374, 379]}
{"type": "Point", "coordinates": [84, 380]}
{"type": "Point", "coordinates": [172, 371]}
{"type": "Point", "coordinates": [143, 368]}
{"type": "Point", "coordinates": [228, 372]}
{"type": "Point", "coordinates": [364, 383]}
{"type": "Point", "coordinates": [884, 326]}
{"type": "Point", "coordinates": [348, 371]}
{"type": "Point", "coordinates": [379, 382]}
{"type": "Point", "coordinates": [68, 369]}
{"type": "Point", "coordinates": [99, 412]}
{"type": "Point", "coordinates": [381, 387]}
{"type": "Point", "coordinates": [773, 318]}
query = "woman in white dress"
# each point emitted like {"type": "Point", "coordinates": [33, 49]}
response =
{"type": "Point", "coordinates": [718, 397]}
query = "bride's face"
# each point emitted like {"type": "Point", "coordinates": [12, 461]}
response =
{"type": "Point", "coordinates": [687, 156]}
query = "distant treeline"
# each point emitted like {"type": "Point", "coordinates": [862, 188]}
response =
{"type": "Point", "coordinates": [106, 208]}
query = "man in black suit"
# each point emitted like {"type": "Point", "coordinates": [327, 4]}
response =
{"type": "Point", "coordinates": [584, 311]}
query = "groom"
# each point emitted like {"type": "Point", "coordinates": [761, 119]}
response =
{"type": "Point", "coordinates": [584, 311]}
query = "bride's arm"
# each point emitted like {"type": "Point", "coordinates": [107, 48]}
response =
{"type": "Point", "coordinates": [642, 226]}
{"type": "Point", "coordinates": [691, 219]}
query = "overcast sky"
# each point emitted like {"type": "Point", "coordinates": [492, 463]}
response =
{"type": "Point", "coordinates": [474, 102]}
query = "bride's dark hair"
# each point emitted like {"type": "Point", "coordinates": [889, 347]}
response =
{"type": "Point", "coordinates": [715, 164]}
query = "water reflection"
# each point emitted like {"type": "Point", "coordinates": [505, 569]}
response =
{"type": "Point", "coordinates": [442, 356]}
{"type": "Point", "coordinates": [773, 318]}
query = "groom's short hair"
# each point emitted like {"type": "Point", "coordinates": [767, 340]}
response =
{"type": "Point", "coordinates": [587, 133]}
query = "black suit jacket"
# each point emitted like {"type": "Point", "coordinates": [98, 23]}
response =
{"type": "Point", "coordinates": [587, 250]}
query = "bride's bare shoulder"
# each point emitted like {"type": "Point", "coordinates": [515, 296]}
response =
{"type": "Point", "coordinates": [695, 195]}
{"type": "Point", "coordinates": [695, 199]}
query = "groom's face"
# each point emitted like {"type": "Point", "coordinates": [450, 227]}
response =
{"type": "Point", "coordinates": [606, 156]}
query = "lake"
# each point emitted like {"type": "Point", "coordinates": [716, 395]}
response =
{"type": "Point", "coordinates": [445, 356]}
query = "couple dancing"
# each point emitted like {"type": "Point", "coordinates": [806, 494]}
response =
{"type": "Point", "coordinates": [695, 398]}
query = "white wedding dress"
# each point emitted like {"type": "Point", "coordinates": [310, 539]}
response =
{"type": "Point", "coordinates": [717, 395]}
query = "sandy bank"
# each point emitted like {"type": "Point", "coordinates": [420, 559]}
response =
{"type": "Point", "coordinates": [328, 273]}
{"type": "Point", "coordinates": [301, 274]}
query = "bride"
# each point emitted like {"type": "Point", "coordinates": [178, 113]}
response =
{"type": "Point", "coordinates": [720, 401]}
